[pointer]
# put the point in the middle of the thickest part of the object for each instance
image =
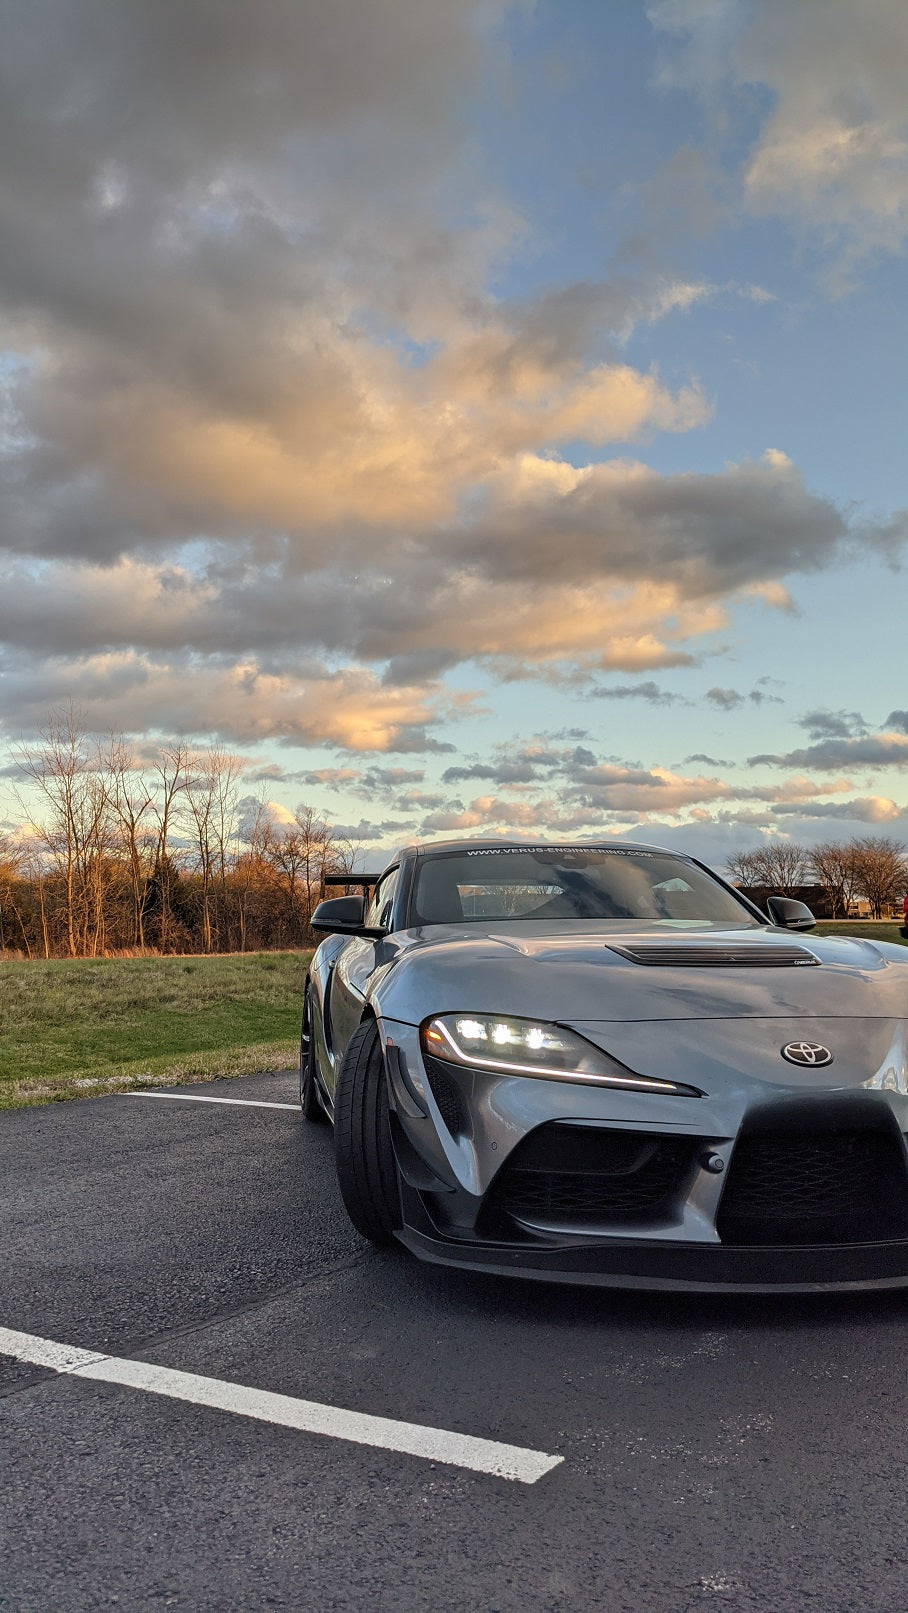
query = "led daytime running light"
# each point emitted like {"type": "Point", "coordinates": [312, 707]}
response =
{"type": "Point", "coordinates": [439, 1040]}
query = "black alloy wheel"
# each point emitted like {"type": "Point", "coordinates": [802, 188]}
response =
{"type": "Point", "coordinates": [310, 1098]}
{"type": "Point", "coordinates": [366, 1167]}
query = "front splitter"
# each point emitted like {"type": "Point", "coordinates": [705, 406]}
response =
{"type": "Point", "coordinates": [691, 1267]}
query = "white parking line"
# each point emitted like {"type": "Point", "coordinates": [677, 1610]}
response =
{"type": "Point", "coordinates": [192, 1097]}
{"type": "Point", "coordinates": [411, 1439]}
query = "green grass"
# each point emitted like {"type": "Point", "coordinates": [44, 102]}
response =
{"type": "Point", "coordinates": [79, 1027]}
{"type": "Point", "coordinates": [868, 929]}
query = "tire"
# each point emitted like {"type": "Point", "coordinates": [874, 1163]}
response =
{"type": "Point", "coordinates": [366, 1167]}
{"type": "Point", "coordinates": [310, 1101]}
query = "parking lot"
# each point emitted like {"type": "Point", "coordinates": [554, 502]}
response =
{"type": "Point", "coordinates": [214, 1396]}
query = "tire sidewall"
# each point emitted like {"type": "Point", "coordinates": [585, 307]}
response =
{"type": "Point", "coordinates": [366, 1166]}
{"type": "Point", "coordinates": [310, 1098]}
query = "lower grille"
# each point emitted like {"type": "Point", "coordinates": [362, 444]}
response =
{"type": "Point", "coordinates": [835, 1187]}
{"type": "Point", "coordinates": [577, 1174]}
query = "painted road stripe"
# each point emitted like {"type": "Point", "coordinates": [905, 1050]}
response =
{"type": "Point", "coordinates": [411, 1439]}
{"type": "Point", "coordinates": [192, 1097]}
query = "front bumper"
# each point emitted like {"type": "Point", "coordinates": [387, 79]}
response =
{"type": "Point", "coordinates": [701, 1212]}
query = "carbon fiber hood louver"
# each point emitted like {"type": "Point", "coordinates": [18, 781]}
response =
{"type": "Point", "coordinates": [700, 955]}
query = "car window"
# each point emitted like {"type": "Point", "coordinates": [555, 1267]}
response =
{"type": "Point", "coordinates": [379, 910]}
{"type": "Point", "coordinates": [512, 884]}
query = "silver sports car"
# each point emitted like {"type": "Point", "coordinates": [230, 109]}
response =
{"type": "Point", "coordinates": [602, 1064]}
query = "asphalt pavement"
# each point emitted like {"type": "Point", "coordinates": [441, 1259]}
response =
{"type": "Point", "coordinates": [731, 1455]}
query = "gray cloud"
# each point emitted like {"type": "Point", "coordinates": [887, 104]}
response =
{"type": "Point", "coordinates": [835, 724]}
{"type": "Point", "coordinates": [725, 699]}
{"type": "Point", "coordinates": [525, 766]}
{"type": "Point", "coordinates": [648, 691]}
{"type": "Point", "coordinates": [873, 750]}
{"type": "Point", "coordinates": [866, 809]}
{"type": "Point", "coordinates": [370, 833]}
{"type": "Point", "coordinates": [389, 778]}
{"type": "Point", "coordinates": [729, 699]}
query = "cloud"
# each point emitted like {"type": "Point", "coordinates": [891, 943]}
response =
{"type": "Point", "coordinates": [525, 764]}
{"type": "Point", "coordinates": [250, 810]}
{"type": "Point", "coordinates": [369, 833]}
{"type": "Point", "coordinates": [240, 702]}
{"type": "Point", "coordinates": [648, 691]}
{"type": "Point", "coordinates": [263, 395]}
{"type": "Point", "coordinates": [832, 149]}
{"type": "Point", "coordinates": [729, 699]}
{"type": "Point", "coordinates": [864, 809]}
{"type": "Point", "coordinates": [836, 724]}
{"type": "Point", "coordinates": [609, 789]}
{"type": "Point", "coordinates": [576, 781]}
{"type": "Point", "coordinates": [389, 778]}
{"type": "Point", "coordinates": [266, 391]}
{"type": "Point", "coordinates": [552, 573]}
{"type": "Point", "coordinates": [570, 790]}
{"type": "Point", "coordinates": [872, 750]}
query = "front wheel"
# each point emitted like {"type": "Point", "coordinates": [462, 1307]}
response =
{"type": "Point", "coordinates": [366, 1167]}
{"type": "Point", "coordinates": [310, 1100]}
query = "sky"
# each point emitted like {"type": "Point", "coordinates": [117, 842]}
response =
{"type": "Point", "coordinates": [479, 416]}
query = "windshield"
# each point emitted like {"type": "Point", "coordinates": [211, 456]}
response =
{"type": "Point", "coordinates": [513, 884]}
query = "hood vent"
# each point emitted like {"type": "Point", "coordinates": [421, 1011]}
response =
{"type": "Point", "coordinates": [697, 955]}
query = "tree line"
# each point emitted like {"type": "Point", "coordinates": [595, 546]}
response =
{"type": "Point", "coordinates": [872, 867]}
{"type": "Point", "coordinates": [123, 852]}
{"type": "Point", "coordinates": [158, 851]}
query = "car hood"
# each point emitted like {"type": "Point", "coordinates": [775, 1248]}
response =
{"type": "Point", "coordinates": [588, 973]}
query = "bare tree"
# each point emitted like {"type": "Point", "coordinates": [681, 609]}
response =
{"type": "Point", "coordinates": [288, 854]}
{"type": "Point", "coordinates": [132, 798]}
{"type": "Point", "coordinates": [318, 849]}
{"type": "Point", "coordinates": [784, 865]}
{"type": "Point", "coordinates": [779, 865]}
{"type": "Point", "coordinates": [11, 872]}
{"type": "Point", "coordinates": [254, 877]}
{"type": "Point", "coordinates": [742, 867]}
{"type": "Point", "coordinates": [72, 778]}
{"type": "Point", "coordinates": [211, 802]}
{"type": "Point", "coordinates": [833, 863]}
{"type": "Point", "coordinates": [881, 871]}
{"type": "Point", "coordinates": [99, 870]}
{"type": "Point", "coordinates": [54, 768]}
{"type": "Point", "coordinates": [33, 861]}
{"type": "Point", "coordinates": [169, 783]}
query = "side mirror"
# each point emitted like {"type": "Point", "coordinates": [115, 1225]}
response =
{"type": "Point", "coordinates": [344, 915]}
{"type": "Point", "coordinates": [789, 914]}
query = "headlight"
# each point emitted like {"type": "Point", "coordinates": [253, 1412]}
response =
{"type": "Point", "coordinates": [530, 1047]}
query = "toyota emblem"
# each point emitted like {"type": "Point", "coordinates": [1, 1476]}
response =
{"type": "Point", "coordinates": [813, 1054]}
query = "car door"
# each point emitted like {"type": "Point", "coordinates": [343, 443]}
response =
{"type": "Point", "coordinates": [355, 965]}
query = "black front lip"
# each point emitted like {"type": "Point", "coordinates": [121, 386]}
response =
{"type": "Point", "coordinates": [696, 1267]}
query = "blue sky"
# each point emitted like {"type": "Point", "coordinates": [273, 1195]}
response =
{"type": "Point", "coordinates": [476, 416]}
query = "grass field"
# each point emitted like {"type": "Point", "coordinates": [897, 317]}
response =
{"type": "Point", "coordinates": [868, 929]}
{"type": "Point", "coordinates": [76, 1028]}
